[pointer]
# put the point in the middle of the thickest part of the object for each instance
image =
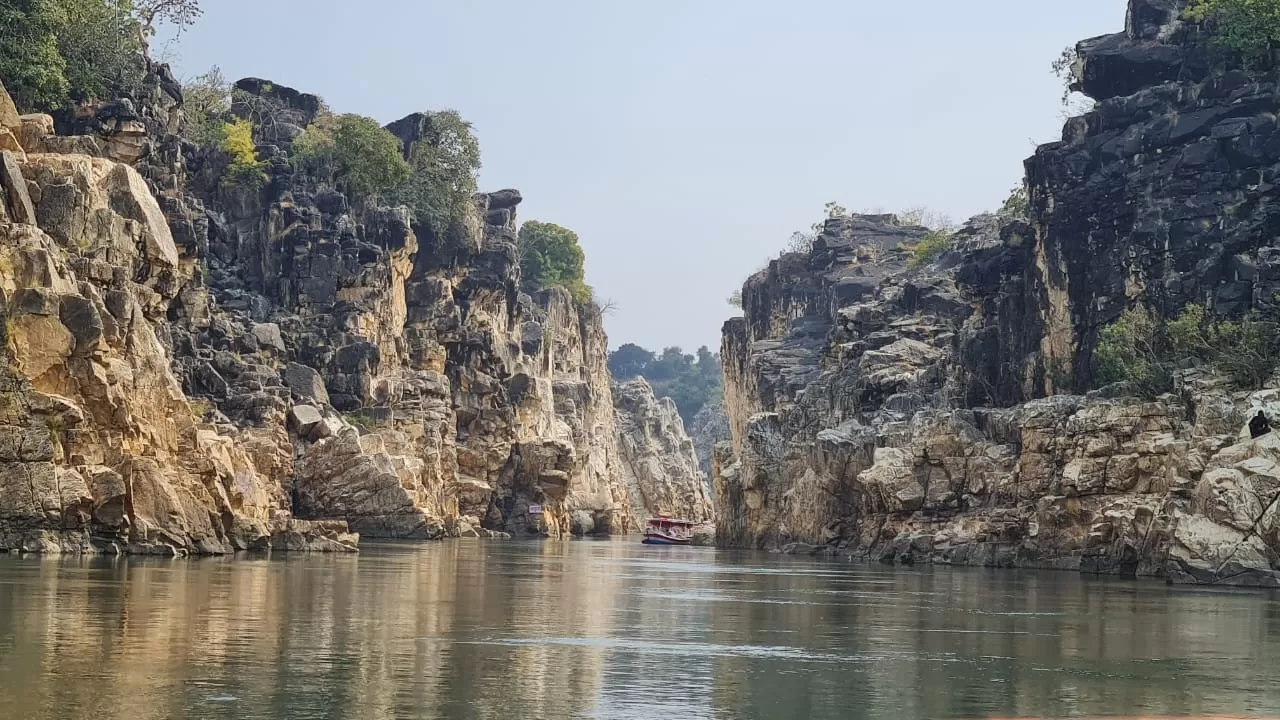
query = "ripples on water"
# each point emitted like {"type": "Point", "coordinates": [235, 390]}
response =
{"type": "Point", "coordinates": [474, 629]}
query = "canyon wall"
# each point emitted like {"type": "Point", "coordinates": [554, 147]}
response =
{"type": "Point", "coordinates": [884, 404]}
{"type": "Point", "coordinates": [196, 367]}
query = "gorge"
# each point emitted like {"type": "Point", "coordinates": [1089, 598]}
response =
{"type": "Point", "coordinates": [226, 331]}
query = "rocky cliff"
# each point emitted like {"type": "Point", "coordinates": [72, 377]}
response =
{"type": "Point", "coordinates": [659, 464]}
{"type": "Point", "coordinates": [196, 367]}
{"type": "Point", "coordinates": [913, 411]}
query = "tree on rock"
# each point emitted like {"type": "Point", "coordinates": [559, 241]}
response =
{"type": "Point", "coordinates": [549, 257]}
{"type": "Point", "coordinates": [364, 157]}
{"type": "Point", "coordinates": [1248, 29]}
{"type": "Point", "coordinates": [179, 13]}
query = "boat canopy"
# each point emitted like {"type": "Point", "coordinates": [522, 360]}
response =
{"type": "Point", "coordinates": [668, 522]}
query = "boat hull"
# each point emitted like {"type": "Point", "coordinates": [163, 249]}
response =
{"type": "Point", "coordinates": [660, 540]}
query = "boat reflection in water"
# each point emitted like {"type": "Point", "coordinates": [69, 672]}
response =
{"type": "Point", "coordinates": [665, 531]}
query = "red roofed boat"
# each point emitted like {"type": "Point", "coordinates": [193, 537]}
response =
{"type": "Point", "coordinates": [665, 531]}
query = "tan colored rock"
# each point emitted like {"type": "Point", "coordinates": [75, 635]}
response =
{"type": "Point", "coordinates": [659, 465]}
{"type": "Point", "coordinates": [9, 117]}
{"type": "Point", "coordinates": [32, 131]}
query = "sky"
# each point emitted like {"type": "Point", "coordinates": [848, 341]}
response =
{"type": "Point", "coordinates": [685, 140]}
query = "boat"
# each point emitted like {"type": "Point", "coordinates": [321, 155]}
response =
{"type": "Point", "coordinates": [665, 531]}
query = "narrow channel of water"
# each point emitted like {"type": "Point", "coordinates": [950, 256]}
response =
{"type": "Point", "coordinates": [476, 629]}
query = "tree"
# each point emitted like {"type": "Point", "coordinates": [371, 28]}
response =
{"type": "Point", "coordinates": [931, 247]}
{"type": "Point", "coordinates": [551, 257]}
{"type": "Point", "coordinates": [800, 242]}
{"type": "Point", "coordinates": [926, 217]}
{"type": "Point", "coordinates": [628, 361]}
{"type": "Point", "coordinates": [31, 65]}
{"type": "Point", "coordinates": [98, 41]}
{"type": "Point", "coordinates": [1246, 29]}
{"type": "Point", "coordinates": [369, 158]}
{"type": "Point", "coordinates": [735, 299]}
{"type": "Point", "coordinates": [180, 13]}
{"type": "Point", "coordinates": [690, 382]}
{"type": "Point", "coordinates": [445, 164]}
{"type": "Point", "coordinates": [206, 98]}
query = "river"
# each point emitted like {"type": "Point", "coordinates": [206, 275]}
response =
{"type": "Point", "coordinates": [613, 629]}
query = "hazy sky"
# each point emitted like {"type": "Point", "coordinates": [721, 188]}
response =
{"type": "Point", "coordinates": [686, 139]}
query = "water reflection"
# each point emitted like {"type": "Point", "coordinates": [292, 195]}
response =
{"type": "Point", "coordinates": [613, 630]}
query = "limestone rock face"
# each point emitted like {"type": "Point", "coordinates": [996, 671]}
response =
{"type": "Point", "coordinates": [659, 464]}
{"type": "Point", "coordinates": [192, 367]}
{"type": "Point", "coordinates": [709, 427]}
{"type": "Point", "coordinates": [911, 412]}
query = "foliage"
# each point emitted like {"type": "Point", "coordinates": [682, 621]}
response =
{"type": "Point", "coordinates": [99, 44]}
{"type": "Point", "coordinates": [180, 13]}
{"type": "Point", "coordinates": [550, 256]}
{"type": "Point", "coordinates": [1141, 349]}
{"type": "Point", "coordinates": [735, 299]}
{"type": "Point", "coordinates": [206, 98]}
{"type": "Point", "coordinates": [31, 64]}
{"type": "Point", "coordinates": [1130, 350]}
{"type": "Point", "coordinates": [629, 361]}
{"type": "Point", "coordinates": [1018, 204]}
{"type": "Point", "coordinates": [245, 169]}
{"type": "Point", "coordinates": [367, 158]}
{"type": "Point", "coordinates": [1246, 29]}
{"type": "Point", "coordinates": [688, 380]}
{"type": "Point", "coordinates": [931, 247]}
{"type": "Point", "coordinates": [56, 51]}
{"type": "Point", "coordinates": [444, 164]}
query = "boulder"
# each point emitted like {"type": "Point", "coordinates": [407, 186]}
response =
{"type": "Point", "coordinates": [305, 383]}
{"type": "Point", "coordinates": [20, 208]}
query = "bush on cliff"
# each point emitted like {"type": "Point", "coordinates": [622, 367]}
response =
{"type": "Point", "coordinates": [1145, 349]}
{"type": "Point", "coordinates": [930, 248]}
{"type": "Point", "coordinates": [365, 158]}
{"type": "Point", "coordinates": [445, 165]}
{"type": "Point", "coordinates": [244, 170]}
{"type": "Point", "coordinates": [551, 257]}
{"type": "Point", "coordinates": [1247, 29]}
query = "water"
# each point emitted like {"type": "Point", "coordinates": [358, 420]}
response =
{"type": "Point", "coordinates": [474, 629]}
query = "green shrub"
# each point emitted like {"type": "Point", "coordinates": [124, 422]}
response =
{"type": "Point", "coordinates": [1131, 349]}
{"type": "Point", "coordinates": [369, 158]}
{"type": "Point", "coordinates": [1141, 349]}
{"type": "Point", "coordinates": [444, 166]}
{"type": "Point", "coordinates": [930, 248]}
{"type": "Point", "coordinates": [354, 152]}
{"type": "Point", "coordinates": [1246, 29]}
{"type": "Point", "coordinates": [245, 169]}
{"type": "Point", "coordinates": [550, 256]}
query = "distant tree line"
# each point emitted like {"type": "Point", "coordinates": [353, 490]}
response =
{"type": "Point", "coordinates": [689, 380]}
